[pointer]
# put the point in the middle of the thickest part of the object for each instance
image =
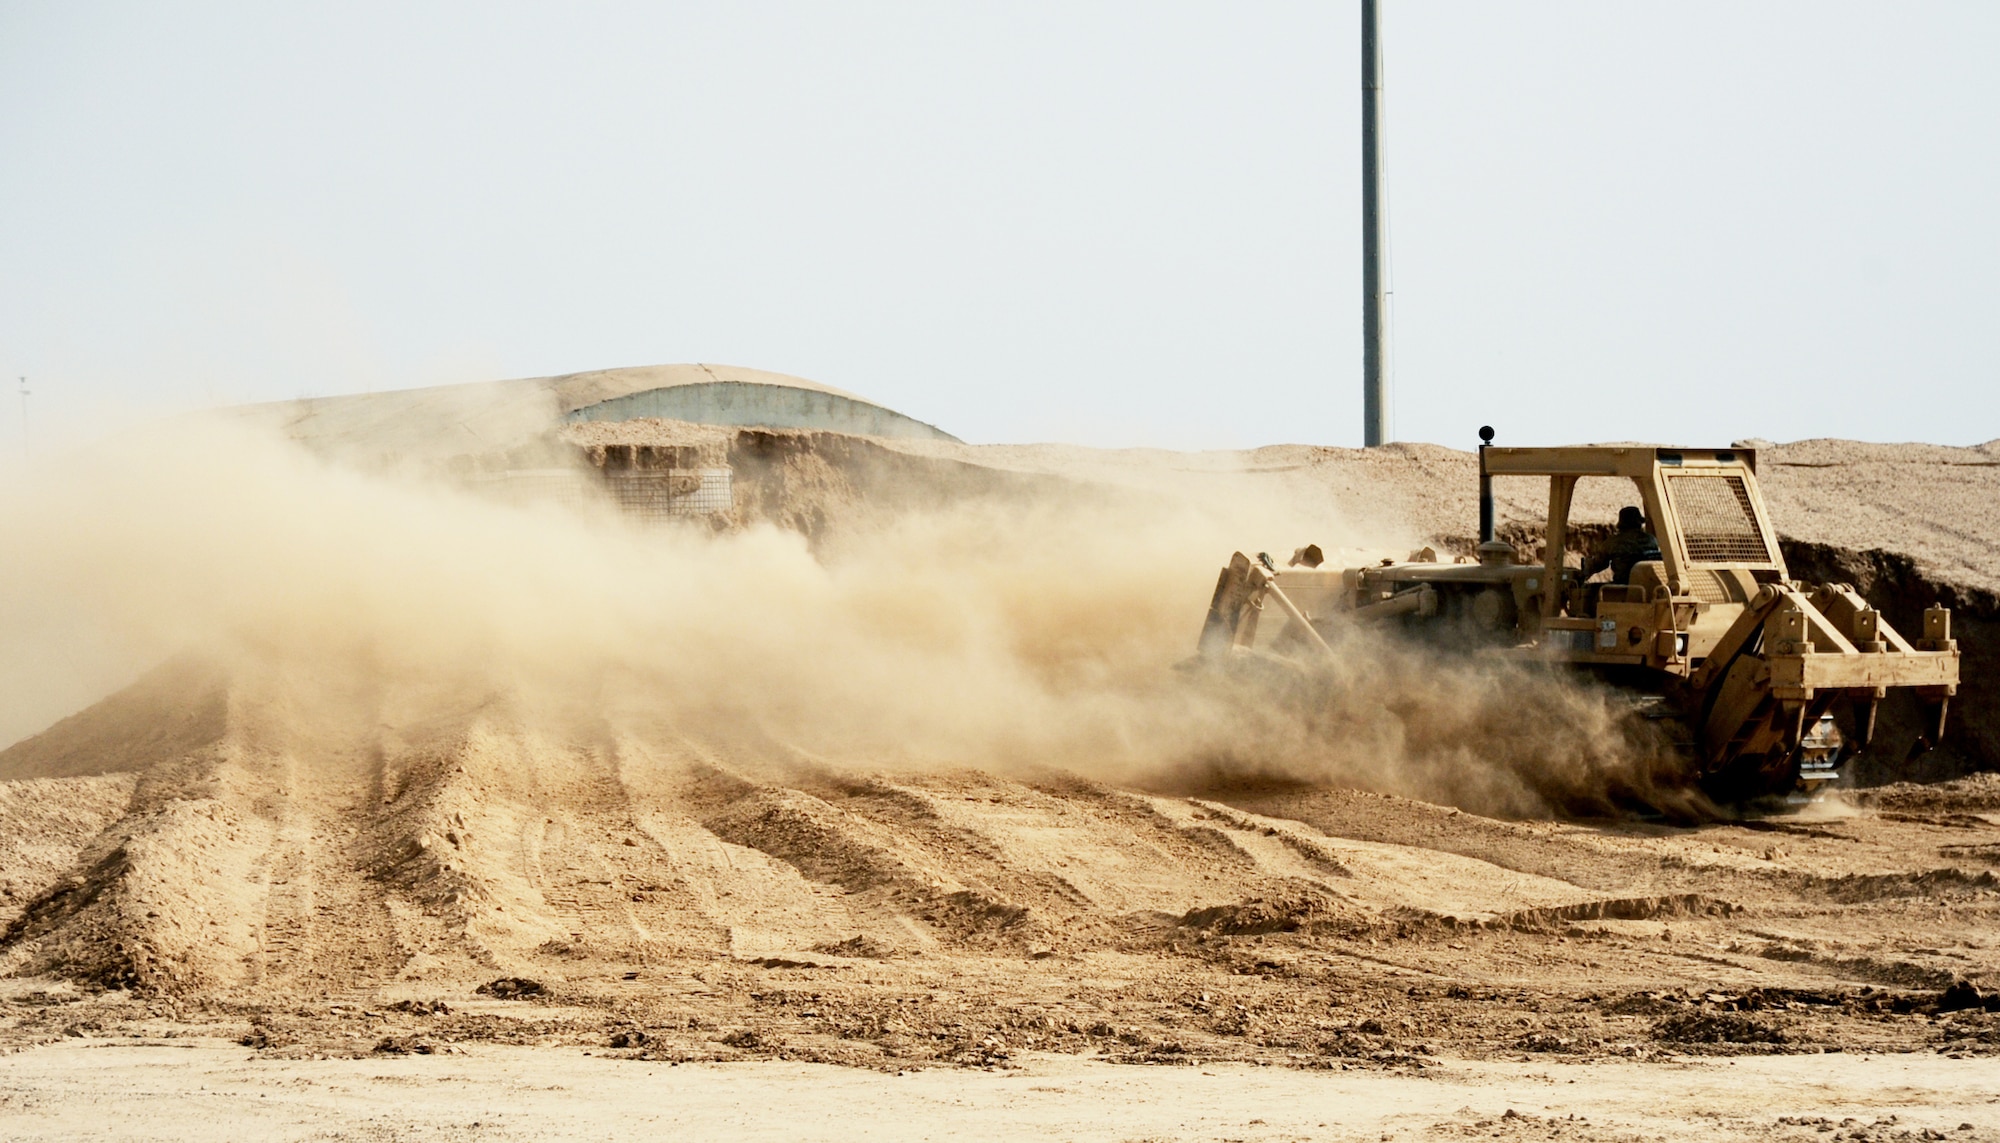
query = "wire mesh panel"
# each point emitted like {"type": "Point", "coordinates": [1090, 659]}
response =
{"type": "Point", "coordinates": [648, 494]}
{"type": "Point", "coordinates": [1718, 523]}
{"type": "Point", "coordinates": [656, 494]}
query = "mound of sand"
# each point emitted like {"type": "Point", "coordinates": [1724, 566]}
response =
{"type": "Point", "coordinates": [259, 860]}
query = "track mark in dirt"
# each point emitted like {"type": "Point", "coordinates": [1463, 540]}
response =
{"type": "Point", "coordinates": [1244, 830]}
{"type": "Point", "coordinates": [1959, 821]}
{"type": "Point", "coordinates": [602, 879]}
{"type": "Point", "coordinates": [326, 926]}
{"type": "Point", "coordinates": [1072, 869]}
{"type": "Point", "coordinates": [1858, 888]}
{"type": "Point", "coordinates": [881, 871]}
{"type": "Point", "coordinates": [1568, 852]}
{"type": "Point", "coordinates": [1385, 878]}
{"type": "Point", "coordinates": [1987, 853]}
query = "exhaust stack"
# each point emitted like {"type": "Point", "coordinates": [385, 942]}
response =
{"type": "Point", "coordinates": [1485, 487]}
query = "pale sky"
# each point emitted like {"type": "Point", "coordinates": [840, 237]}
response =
{"type": "Point", "coordinates": [1110, 223]}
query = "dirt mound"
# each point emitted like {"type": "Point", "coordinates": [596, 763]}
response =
{"type": "Point", "coordinates": [439, 852]}
{"type": "Point", "coordinates": [409, 861]}
{"type": "Point", "coordinates": [177, 708]}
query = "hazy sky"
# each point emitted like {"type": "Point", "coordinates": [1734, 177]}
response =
{"type": "Point", "coordinates": [1116, 223]}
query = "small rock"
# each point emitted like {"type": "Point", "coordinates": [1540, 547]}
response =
{"type": "Point", "coordinates": [421, 1007]}
{"type": "Point", "coordinates": [511, 988]}
{"type": "Point", "coordinates": [1962, 994]}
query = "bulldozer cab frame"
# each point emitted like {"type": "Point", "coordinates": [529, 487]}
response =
{"type": "Point", "coordinates": [1704, 506]}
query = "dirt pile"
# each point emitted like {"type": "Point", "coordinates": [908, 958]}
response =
{"type": "Point", "coordinates": [969, 920]}
{"type": "Point", "coordinates": [260, 862]}
{"type": "Point", "coordinates": [174, 710]}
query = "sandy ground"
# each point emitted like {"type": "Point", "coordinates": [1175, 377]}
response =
{"type": "Point", "coordinates": [969, 921]}
{"type": "Point", "coordinates": [196, 1090]}
{"type": "Point", "coordinates": [253, 902]}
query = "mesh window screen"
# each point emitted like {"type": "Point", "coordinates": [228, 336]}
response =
{"type": "Point", "coordinates": [1716, 520]}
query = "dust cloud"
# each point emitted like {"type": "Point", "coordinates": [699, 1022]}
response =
{"type": "Point", "coordinates": [1491, 735]}
{"type": "Point", "coordinates": [999, 634]}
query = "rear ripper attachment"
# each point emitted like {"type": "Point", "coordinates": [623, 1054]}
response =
{"type": "Point", "coordinates": [1696, 609]}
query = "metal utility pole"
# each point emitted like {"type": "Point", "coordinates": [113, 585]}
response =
{"type": "Point", "coordinates": [25, 454]}
{"type": "Point", "coordinates": [1374, 379]}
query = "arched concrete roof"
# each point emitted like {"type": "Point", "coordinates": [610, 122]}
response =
{"type": "Point", "coordinates": [577, 390]}
{"type": "Point", "coordinates": [451, 420]}
{"type": "Point", "coordinates": [730, 395]}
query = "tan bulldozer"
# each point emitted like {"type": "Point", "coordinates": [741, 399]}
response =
{"type": "Point", "coordinates": [1706, 628]}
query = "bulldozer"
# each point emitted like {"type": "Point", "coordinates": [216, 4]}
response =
{"type": "Point", "coordinates": [1746, 667]}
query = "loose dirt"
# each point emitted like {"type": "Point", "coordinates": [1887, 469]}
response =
{"type": "Point", "coordinates": [891, 771]}
{"type": "Point", "coordinates": [193, 1090]}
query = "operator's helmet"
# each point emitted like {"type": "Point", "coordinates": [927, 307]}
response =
{"type": "Point", "coordinates": [1630, 517]}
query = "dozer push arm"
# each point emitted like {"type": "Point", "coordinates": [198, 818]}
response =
{"type": "Point", "coordinates": [1234, 604]}
{"type": "Point", "coordinates": [1233, 611]}
{"type": "Point", "coordinates": [1789, 657]}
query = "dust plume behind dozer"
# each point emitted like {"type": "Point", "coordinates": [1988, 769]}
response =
{"type": "Point", "coordinates": [1758, 683]}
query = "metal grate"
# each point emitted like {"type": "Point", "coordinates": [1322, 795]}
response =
{"type": "Point", "coordinates": [1704, 585]}
{"type": "Point", "coordinates": [648, 494]}
{"type": "Point", "coordinates": [1717, 522]}
{"type": "Point", "coordinates": [657, 494]}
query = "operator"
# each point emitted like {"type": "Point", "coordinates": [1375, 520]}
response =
{"type": "Point", "coordinates": [1630, 545]}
